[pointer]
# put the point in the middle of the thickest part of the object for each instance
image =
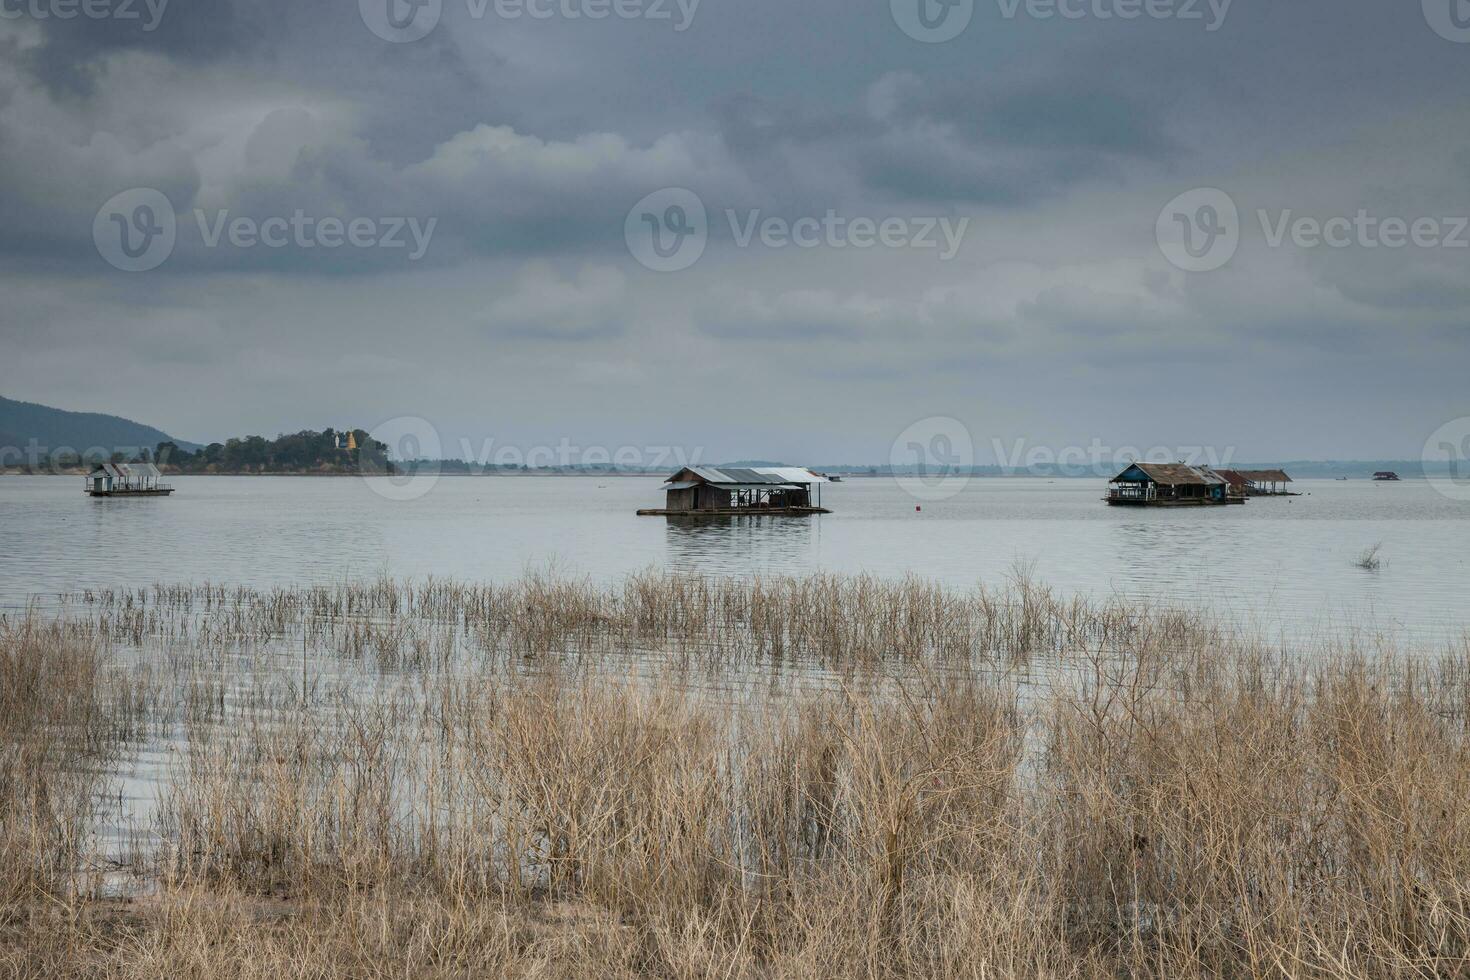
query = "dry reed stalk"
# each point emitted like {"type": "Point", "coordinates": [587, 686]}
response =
{"type": "Point", "coordinates": [832, 777]}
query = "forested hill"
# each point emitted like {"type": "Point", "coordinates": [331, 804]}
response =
{"type": "Point", "coordinates": [26, 427]}
{"type": "Point", "coordinates": [306, 452]}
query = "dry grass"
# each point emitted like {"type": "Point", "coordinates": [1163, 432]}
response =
{"type": "Point", "coordinates": [822, 777]}
{"type": "Point", "coordinates": [1369, 558]}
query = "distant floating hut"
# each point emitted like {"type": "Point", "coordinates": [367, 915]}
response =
{"type": "Point", "coordinates": [1170, 485]}
{"type": "Point", "coordinates": [125, 480]}
{"type": "Point", "coordinates": [729, 490]}
{"type": "Point", "coordinates": [1386, 476]}
{"type": "Point", "coordinates": [1259, 483]}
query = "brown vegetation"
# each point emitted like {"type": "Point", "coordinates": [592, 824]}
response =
{"type": "Point", "coordinates": [798, 778]}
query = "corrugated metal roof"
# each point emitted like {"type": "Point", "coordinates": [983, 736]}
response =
{"type": "Point", "coordinates": [1265, 476]}
{"type": "Point", "coordinates": [682, 485]}
{"type": "Point", "coordinates": [128, 471]}
{"type": "Point", "coordinates": [796, 474]}
{"type": "Point", "coordinates": [768, 477]}
{"type": "Point", "coordinates": [757, 486]}
{"type": "Point", "coordinates": [1176, 474]}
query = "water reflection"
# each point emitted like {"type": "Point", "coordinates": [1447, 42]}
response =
{"type": "Point", "coordinates": [729, 543]}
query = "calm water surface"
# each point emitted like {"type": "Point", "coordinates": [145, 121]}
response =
{"type": "Point", "coordinates": [1280, 565]}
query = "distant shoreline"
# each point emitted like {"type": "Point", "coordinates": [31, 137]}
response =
{"type": "Point", "coordinates": [1405, 474]}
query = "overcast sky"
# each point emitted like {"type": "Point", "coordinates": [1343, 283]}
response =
{"type": "Point", "coordinates": [1021, 168]}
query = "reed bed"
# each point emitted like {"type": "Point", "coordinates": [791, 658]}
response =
{"type": "Point", "coordinates": [667, 778]}
{"type": "Point", "coordinates": [841, 622]}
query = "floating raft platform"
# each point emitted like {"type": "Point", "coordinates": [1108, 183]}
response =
{"type": "Point", "coordinates": [156, 492]}
{"type": "Point", "coordinates": [125, 480]}
{"type": "Point", "coordinates": [1120, 501]}
{"type": "Point", "coordinates": [735, 512]}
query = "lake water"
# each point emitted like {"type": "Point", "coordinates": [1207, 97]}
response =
{"type": "Point", "coordinates": [1283, 566]}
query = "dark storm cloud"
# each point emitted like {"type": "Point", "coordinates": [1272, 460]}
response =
{"type": "Point", "coordinates": [189, 31]}
{"type": "Point", "coordinates": [924, 139]}
{"type": "Point", "coordinates": [528, 141]}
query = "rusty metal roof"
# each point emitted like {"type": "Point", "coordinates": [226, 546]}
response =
{"type": "Point", "coordinates": [1175, 474]}
{"type": "Point", "coordinates": [1265, 476]}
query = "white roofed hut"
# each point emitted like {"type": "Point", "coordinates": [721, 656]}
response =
{"type": "Point", "coordinates": [731, 490]}
{"type": "Point", "coordinates": [125, 480]}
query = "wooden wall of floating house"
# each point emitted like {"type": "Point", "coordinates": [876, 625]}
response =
{"type": "Point", "coordinates": [682, 499]}
{"type": "Point", "coordinates": [712, 498]}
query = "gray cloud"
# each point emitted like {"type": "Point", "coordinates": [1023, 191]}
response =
{"type": "Point", "coordinates": [528, 141]}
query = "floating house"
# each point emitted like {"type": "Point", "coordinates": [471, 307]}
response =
{"type": "Point", "coordinates": [125, 480]}
{"type": "Point", "coordinates": [1236, 485]}
{"type": "Point", "coordinates": [1170, 485]}
{"type": "Point", "coordinates": [727, 490]}
{"type": "Point", "coordinates": [1386, 476]}
{"type": "Point", "coordinates": [1259, 483]}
